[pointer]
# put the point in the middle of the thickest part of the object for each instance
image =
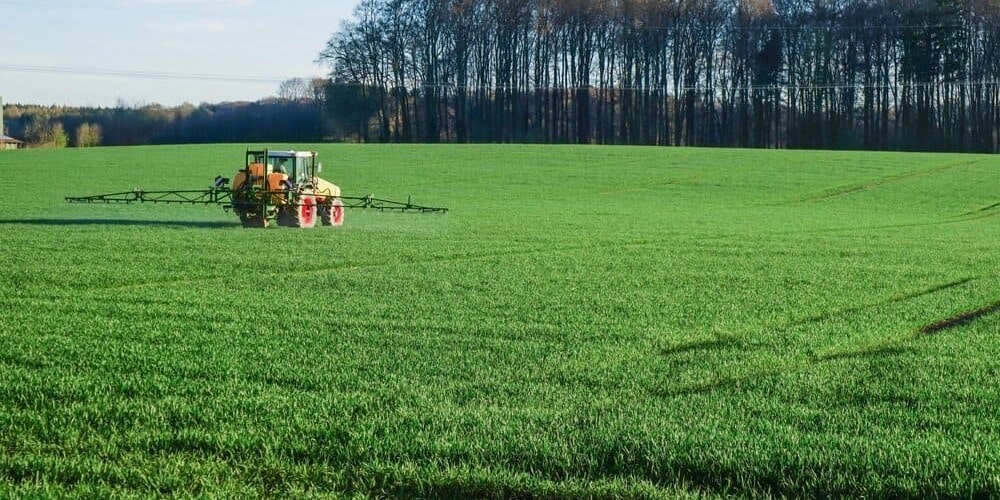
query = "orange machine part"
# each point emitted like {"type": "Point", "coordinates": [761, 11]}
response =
{"type": "Point", "coordinates": [256, 173]}
{"type": "Point", "coordinates": [274, 181]}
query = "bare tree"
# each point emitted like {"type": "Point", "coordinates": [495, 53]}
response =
{"type": "Point", "coordinates": [760, 73]}
{"type": "Point", "coordinates": [296, 89]}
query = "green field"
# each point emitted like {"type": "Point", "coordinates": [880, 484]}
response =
{"type": "Point", "coordinates": [586, 321]}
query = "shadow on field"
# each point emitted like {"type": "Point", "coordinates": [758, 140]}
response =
{"type": "Point", "coordinates": [873, 353]}
{"type": "Point", "coordinates": [701, 345]}
{"type": "Point", "coordinates": [892, 300]}
{"type": "Point", "coordinates": [960, 319]}
{"type": "Point", "coordinates": [117, 222]}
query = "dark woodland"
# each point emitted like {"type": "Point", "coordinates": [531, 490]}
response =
{"type": "Point", "coordinates": [919, 75]}
{"type": "Point", "coordinates": [848, 74]}
{"type": "Point", "coordinates": [271, 120]}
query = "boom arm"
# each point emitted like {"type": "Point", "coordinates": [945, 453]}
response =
{"type": "Point", "coordinates": [381, 205]}
{"type": "Point", "coordinates": [224, 197]}
{"type": "Point", "coordinates": [192, 196]}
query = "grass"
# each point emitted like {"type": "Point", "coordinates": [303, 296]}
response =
{"type": "Point", "coordinates": [585, 322]}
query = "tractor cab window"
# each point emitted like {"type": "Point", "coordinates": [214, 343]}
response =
{"type": "Point", "coordinates": [285, 166]}
{"type": "Point", "coordinates": [304, 164]}
{"type": "Point", "coordinates": [254, 158]}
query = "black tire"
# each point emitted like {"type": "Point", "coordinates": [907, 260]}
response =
{"type": "Point", "coordinates": [304, 213]}
{"type": "Point", "coordinates": [253, 220]}
{"type": "Point", "coordinates": [286, 216]}
{"type": "Point", "coordinates": [249, 213]}
{"type": "Point", "coordinates": [332, 212]}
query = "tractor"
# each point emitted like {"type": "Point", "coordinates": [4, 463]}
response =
{"type": "Point", "coordinates": [273, 188]}
{"type": "Point", "coordinates": [282, 186]}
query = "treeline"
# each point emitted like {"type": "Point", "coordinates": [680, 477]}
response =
{"type": "Point", "coordinates": [895, 74]}
{"type": "Point", "coordinates": [270, 120]}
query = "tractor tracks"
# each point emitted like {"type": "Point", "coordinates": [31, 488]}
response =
{"type": "Point", "coordinates": [655, 186]}
{"type": "Point", "coordinates": [884, 349]}
{"type": "Point", "coordinates": [809, 361]}
{"type": "Point", "coordinates": [411, 262]}
{"type": "Point", "coordinates": [957, 219]}
{"type": "Point", "coordinates": [891, 300]}
{"type": "Point", "coordinates": [881, 181]}
{"type": "Point", "coordinates": [987, 208]}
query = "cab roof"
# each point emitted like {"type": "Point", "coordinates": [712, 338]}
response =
{"type": "Point", "coordinates": [289, 154]}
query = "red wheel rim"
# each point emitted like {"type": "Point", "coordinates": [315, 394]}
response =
{"type": "Point", "coordinates": [308, 210]}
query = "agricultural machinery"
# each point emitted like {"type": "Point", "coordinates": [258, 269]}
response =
{"type": "Point", "coordinates": [274, 187]}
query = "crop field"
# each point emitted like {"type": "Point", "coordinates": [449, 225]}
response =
{"type": "Point", "coordinates": [584, 322]}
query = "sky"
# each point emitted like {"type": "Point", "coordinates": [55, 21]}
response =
{"type": "Point", "coordinates": [87, 53]}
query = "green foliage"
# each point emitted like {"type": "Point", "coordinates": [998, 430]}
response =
{"type": "Point", "coordinates": [585, 322]}
{"type": "Point", "coordinates": [60, 139]}
{"type": "Point", "coordinates": [88, 135]}
{"type": "Point", "coordinates": [42, 133]}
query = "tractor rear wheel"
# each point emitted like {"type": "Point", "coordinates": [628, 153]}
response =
{"type": "Point", "coordinates": [253, 220]}
{"type": "Point", "coordinates": [239, 206]}
{"type": "Point", "coordinates": [286, 216]}
{"type": "Point", "coordinates": [249, 213]}
{"type": "Point", "coordinates": [332, 212]}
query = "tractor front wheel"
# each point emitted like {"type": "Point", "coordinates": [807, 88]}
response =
{"type": "Point", "coordinates": [301, 214]}
{"type": "Point", "coordinates": [332, 212]}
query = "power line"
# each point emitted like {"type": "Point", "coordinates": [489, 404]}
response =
{"type": "Point", "coordinates": [149, 75]}
{"type": "Point", "coordinates": [828, 28]}
{"type": "Point", "coordinates": [697, 89]}
{"type": "Point", "coordinates": [44, 5]}
{"type": "Point", "coordinates": [91, 7]}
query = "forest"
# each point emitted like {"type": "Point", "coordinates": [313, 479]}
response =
{"type": "Point", "coordinates": [828, 74]}
{"type": "Point", "coordinates": [267, 120]}
{"type": "Point", "coordinates": [916, 75]}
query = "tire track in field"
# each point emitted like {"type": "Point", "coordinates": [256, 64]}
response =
{"type": "Point", "coordinates": [902, 225]}
{"type": "Point", "coordinates": [684, 181]}
{"type": "Point", "coordinates": [885, 349]}
{"type": "Point", "coordinates": [806, 362]}
{"type": "Point", "coordinates": [342, 267]}
{"type": "Point", "coordinates": [890, 347]}
{"type": "Point", "coordinates": [981, 216]}
{"type": "Point", "coordinates": [984, 209]}
{"type": "Point", "coordinates": [891, 300]}
{"type": "Point", "coordinates": [874, 183]}
{"type": "Point", "coordinates": [483, 336]}
{"type": "Point", "coordinates": [419, 261]}
{"type": "Point", "coordinates": [516, 253]}
{"type": "Point", "coordinates": [534, 251]}
{"type": "Point", "coordinates": [983, 213]}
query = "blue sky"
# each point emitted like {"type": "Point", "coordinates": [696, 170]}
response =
{"type": "Point", "coordinates": [46, 43]}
